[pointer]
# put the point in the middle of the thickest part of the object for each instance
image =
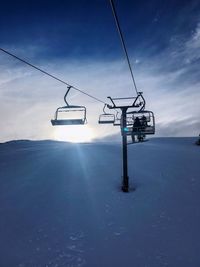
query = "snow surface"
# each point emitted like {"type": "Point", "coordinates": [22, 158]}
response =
{"type": "Point", "coordinates": [61, 204]}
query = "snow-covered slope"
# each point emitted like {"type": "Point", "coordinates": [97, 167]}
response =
{"type": "Point", "coordinates": [61, 204]}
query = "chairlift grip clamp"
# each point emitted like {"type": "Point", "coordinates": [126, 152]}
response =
{"type": "Point", "coordinates": [109, 106]}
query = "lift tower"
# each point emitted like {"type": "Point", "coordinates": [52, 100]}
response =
{"type": "Point", "coordinates": [137, 103]}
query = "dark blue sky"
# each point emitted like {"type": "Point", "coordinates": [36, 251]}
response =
{"type": "Point", "coordinates": [86, 29]}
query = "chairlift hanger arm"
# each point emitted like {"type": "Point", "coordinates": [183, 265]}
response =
{"type": "Point", "coordinates": [144, 102]}
{"type": "Point", "coordinates": [109, 106]}
{"type": "Point", "coordinates": [65, 96]}
{"type": "Point", "coordinates": [104, 109]}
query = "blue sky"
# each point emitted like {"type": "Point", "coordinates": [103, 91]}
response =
{"type": "Point", "coordinates": [78, 41]}
{"type": "Point", "coordinates": [85, 28]}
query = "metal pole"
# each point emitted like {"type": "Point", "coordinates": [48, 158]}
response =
{"type": "Point", "coordinates": [125, 181]}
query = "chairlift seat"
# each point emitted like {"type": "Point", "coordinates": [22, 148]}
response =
{"type": "Point", "coordinates": [57, 122]}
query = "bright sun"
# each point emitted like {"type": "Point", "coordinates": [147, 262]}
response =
{"type": "Point", "coordinates": [74, 133]}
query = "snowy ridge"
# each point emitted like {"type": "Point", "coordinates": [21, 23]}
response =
{"type": "Point", "coordinates": [61, 204]}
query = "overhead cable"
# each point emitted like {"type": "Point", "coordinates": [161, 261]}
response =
{"type": "Point", "coordinates": [123, 43]}
{"type": "Point", "coordinates": [52, 76]}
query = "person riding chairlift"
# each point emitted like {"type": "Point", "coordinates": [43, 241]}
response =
{"type": "Point", "coordinates": [137, 124]}
{"type": "Point", "coordinates": [144, 121]}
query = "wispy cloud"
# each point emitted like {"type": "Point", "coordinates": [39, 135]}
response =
{"type": "Point", "coordinates": [192, 46]}
{"type": "Point", "coordinates": [170, 84]}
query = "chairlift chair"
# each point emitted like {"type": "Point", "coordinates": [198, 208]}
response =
{"type": "Point", "coordinates": [71, 111]}
{"type": "Point", "coordinates": [146, 125]}
{"type": "Point", "coordinates": [106, 118]}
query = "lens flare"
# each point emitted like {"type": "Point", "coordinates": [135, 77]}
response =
{"type": "Point", "coordinates": [73, 133]}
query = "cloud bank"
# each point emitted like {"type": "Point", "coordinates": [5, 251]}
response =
{"type": "Point", "coordinates": [170, 83]}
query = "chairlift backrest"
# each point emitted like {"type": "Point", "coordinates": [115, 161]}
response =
{"type": "Point", "coordinates": [140, 117]}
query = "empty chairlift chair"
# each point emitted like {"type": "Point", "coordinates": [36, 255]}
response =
{"type": "Point", "coordinates": [69, 114]}
{"type": "Point", "coordinates": [106, 118]}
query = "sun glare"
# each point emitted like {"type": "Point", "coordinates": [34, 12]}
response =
{"type": "Point", "coordinates": [73, 133]}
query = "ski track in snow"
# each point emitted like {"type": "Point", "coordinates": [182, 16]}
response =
{"type": "Point", "coordinates": [61, 204]}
